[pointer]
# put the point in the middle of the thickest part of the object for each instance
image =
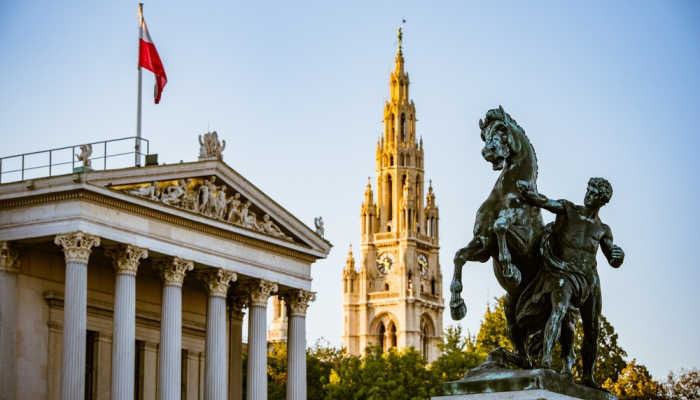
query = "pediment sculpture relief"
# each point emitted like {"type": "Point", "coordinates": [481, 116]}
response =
{"type": "Point", "coordinates": [205, 197]}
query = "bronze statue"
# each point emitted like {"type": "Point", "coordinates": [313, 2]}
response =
{"type": "Point", "coordinates": [569, 277]}
{"type": "Point", "coordinates": [549, 273]}
{"type": "Point", "coordinates": [507, 229]}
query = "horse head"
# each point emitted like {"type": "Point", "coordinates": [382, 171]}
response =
{"type": "Point", "coordinates": [503, 138]}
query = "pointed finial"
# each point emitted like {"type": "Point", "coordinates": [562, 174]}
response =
{"type": "Point", "coordinates": [369, 181]}
{"type": "Point", "coordinates": [400, 35]}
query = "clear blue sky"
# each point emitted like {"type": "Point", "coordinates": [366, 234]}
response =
{"type": "Point", "coordinates": [297, 91]}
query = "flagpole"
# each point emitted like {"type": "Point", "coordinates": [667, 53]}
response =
{"type": "Point", "coordinates": [137, 148]}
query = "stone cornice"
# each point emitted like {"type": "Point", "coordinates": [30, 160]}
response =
{"type": "Point", "coordinates": [218, 281]}
{"type": "Point", "coordinates": [118, 204]}
{"type": "Point", "coordinates": [9, 258]}
{"type": "Point", "coordinates": [77, 246]}
{"type": "Point", "coordinates": [260, 291]}
{"type": "Point", "coordinates": [126, 258]}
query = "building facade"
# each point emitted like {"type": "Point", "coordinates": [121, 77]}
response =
{"type": "Point", "coordinates": [395, 299]}
{"type": "Point", "coordinates": [134, 283]}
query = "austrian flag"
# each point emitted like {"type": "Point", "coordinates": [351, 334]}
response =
{"type": "Point", "coordinates": [149, 59]}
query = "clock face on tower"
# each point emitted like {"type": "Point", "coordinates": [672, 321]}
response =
{"type": "Point", "coordinates": [385, 262]}
{"type": "Point", "coordinates": [423, 264]}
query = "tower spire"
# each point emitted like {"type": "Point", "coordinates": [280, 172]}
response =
{"type": "Point", "coordinates": [399, 52]}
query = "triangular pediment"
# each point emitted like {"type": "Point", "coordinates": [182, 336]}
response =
{"type": "Point", "coordinates": [211, 189]}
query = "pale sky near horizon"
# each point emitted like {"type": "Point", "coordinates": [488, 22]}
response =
{"type": "Point", "coordinates": [297, 91]}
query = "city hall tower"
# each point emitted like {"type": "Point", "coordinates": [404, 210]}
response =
{"type": "Point", "coordinates": [394, 298]}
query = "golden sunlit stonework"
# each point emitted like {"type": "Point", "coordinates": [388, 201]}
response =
{"type": "Point", "coordinates": [395, 300]}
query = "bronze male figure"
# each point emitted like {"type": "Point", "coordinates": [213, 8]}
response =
{"type": "Point", "coordinates": [569, 277]}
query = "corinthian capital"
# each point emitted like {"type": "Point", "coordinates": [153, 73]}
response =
{"type": "Point", "coordinates": [260, 291]}
{"type": "Point", "coordinates": [77, 246]}
{"type": "Point", "coordinates": [126, 258]}
{"type": "Point", "coordinates": [298, 301]}
{"type": "Point", "coordinates": [218, 280]}
{"type": "Point", "coordinates": [174, 270]}
{"type": "Point", "coordinates": [9, 258]}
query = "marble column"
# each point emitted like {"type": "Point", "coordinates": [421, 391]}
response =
{"type": "Point", "coordinates": [126, 262]}
{"type": "Point", "coordinates": [215, 371]}
{"type": "Point", "coordinates": [235, 361]}
{"type": "Point", "coordinates": [256, 382]}
{"type": "Point", "coordinates": [77, 247]}
{"type": "Point", "coordinates": [297, 303]}
{"type": "Point", "coordinates": [9, 267]}
{"type": "Point", "coordinates": [169, 355]}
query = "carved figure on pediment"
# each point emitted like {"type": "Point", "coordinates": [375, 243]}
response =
{"type": "Point", "coordinates": [174, 195]}
{"type": "Point", "coordinates": [248, 218]}
{"type": "Point", "coordinates": [234, 208]}
{"type": "Point", "coordinates": [268, 226]}
{"type": "Point", "coordinates": [190, 198]}
{"type": "Point", "coordinates": [84, 156]}
{"type": "Point", "coordinates": [151, 191]}
{"type": "Point", "coordinates": [205, 198]}
{"type": "Point", "coordinates": [210, 147]}
{"type": "Point", "coordinates": [220, 203]}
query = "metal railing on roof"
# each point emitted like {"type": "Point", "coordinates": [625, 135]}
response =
{"type": "Point", "coordinates": [107, 154]}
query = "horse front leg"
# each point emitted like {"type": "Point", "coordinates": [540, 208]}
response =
{"type": "Point", "coordinates": [475, 251]}
{"type": "Point", "coordinates": [511, 274]}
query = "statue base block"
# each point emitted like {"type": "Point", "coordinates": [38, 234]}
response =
{"type": "Point", "coordinates": [80, 170]}
{"type": "Point", "coordinates": [517, 384]}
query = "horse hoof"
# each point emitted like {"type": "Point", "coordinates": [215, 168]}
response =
{"type": "Point", "coordinates": [458, 309]}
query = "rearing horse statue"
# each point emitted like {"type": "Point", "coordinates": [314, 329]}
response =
{"type": "Point", "coordinates": [506, 229]}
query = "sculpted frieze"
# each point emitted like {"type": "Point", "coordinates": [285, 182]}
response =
{"type": "Point", "coordinates": [203, 196]}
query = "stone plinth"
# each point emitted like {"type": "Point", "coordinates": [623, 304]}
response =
{"type": "Point", "coordinates": [536, 384]}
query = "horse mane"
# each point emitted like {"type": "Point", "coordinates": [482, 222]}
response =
{"type": "Point", "coordinates": [498, 114]}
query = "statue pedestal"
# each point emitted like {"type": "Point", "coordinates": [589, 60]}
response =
{"type": "Point", "coordinates": [80, 170]}
{"type": "Point", "coordinates": [512, 384]}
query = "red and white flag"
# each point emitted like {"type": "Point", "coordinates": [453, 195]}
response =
{"type": "Point", "coordinates": [149, 59]}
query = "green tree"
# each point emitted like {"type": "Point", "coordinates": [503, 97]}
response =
{"type": "Point", "coordinates": [458, 354]}
{"type": "Point", "coordinates": [377, 376]}
{"type": "Point", "coordinates": [492, 332]}
{"type": "Point", "coordinates": [684, 386]}
{"type": "Point", "coordinates": [634, 383]}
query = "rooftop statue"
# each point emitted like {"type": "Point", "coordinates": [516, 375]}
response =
{"type": "Point", "coordinates": [84, 156]}
{"type": "Point", "coordinates": [210, 147]}
{"type": "Point", "coordinates": [549, 273]}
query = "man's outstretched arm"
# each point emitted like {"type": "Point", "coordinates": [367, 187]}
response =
{"type": "Point", "coordinates": [530, 195]}
{"type": "Point", "coordinates": [612, 252]}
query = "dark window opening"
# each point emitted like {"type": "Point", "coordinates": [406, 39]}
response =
{"type": "Point", "coordinates": [90, 364]}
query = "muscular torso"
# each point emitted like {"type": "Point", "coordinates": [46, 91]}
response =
{"type": "Point", "coordinates": [579, 238]}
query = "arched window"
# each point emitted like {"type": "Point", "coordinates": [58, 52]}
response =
{"type": "Point", "coordinates": [392, 338]}
{"type": "Point", "coordinates": [382, 335]}
{"type": "Point", "coordinates": [424, 339]}
{"type": "Point", "coordinates": [389, 190]}
{"type": "Point", "coordinates": [403, 127]}
{"type": "Point", "coordinates": [432, 287]}
{"type": "Point", "coordinates": [386, 287]}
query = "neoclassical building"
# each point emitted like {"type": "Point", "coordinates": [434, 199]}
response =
{"type": "Point", "coordinates": [395, 299]}
{"type": "Point", "coordinates": [133, 283]}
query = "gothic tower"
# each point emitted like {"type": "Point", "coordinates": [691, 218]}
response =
{"type": "Point", "coordinates": [395, 300]}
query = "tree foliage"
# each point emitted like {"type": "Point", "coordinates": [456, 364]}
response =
{"type": "Point", "coordinates": [634, 383]}
{"type": "Point", "coordinates": [378, 376]}
{"type": "Point", "coordinates": [683, 386]}
{"type": "Point", "coordinates": [492, 333]}
{"type": "Point", "coordinates": [458, 354]}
